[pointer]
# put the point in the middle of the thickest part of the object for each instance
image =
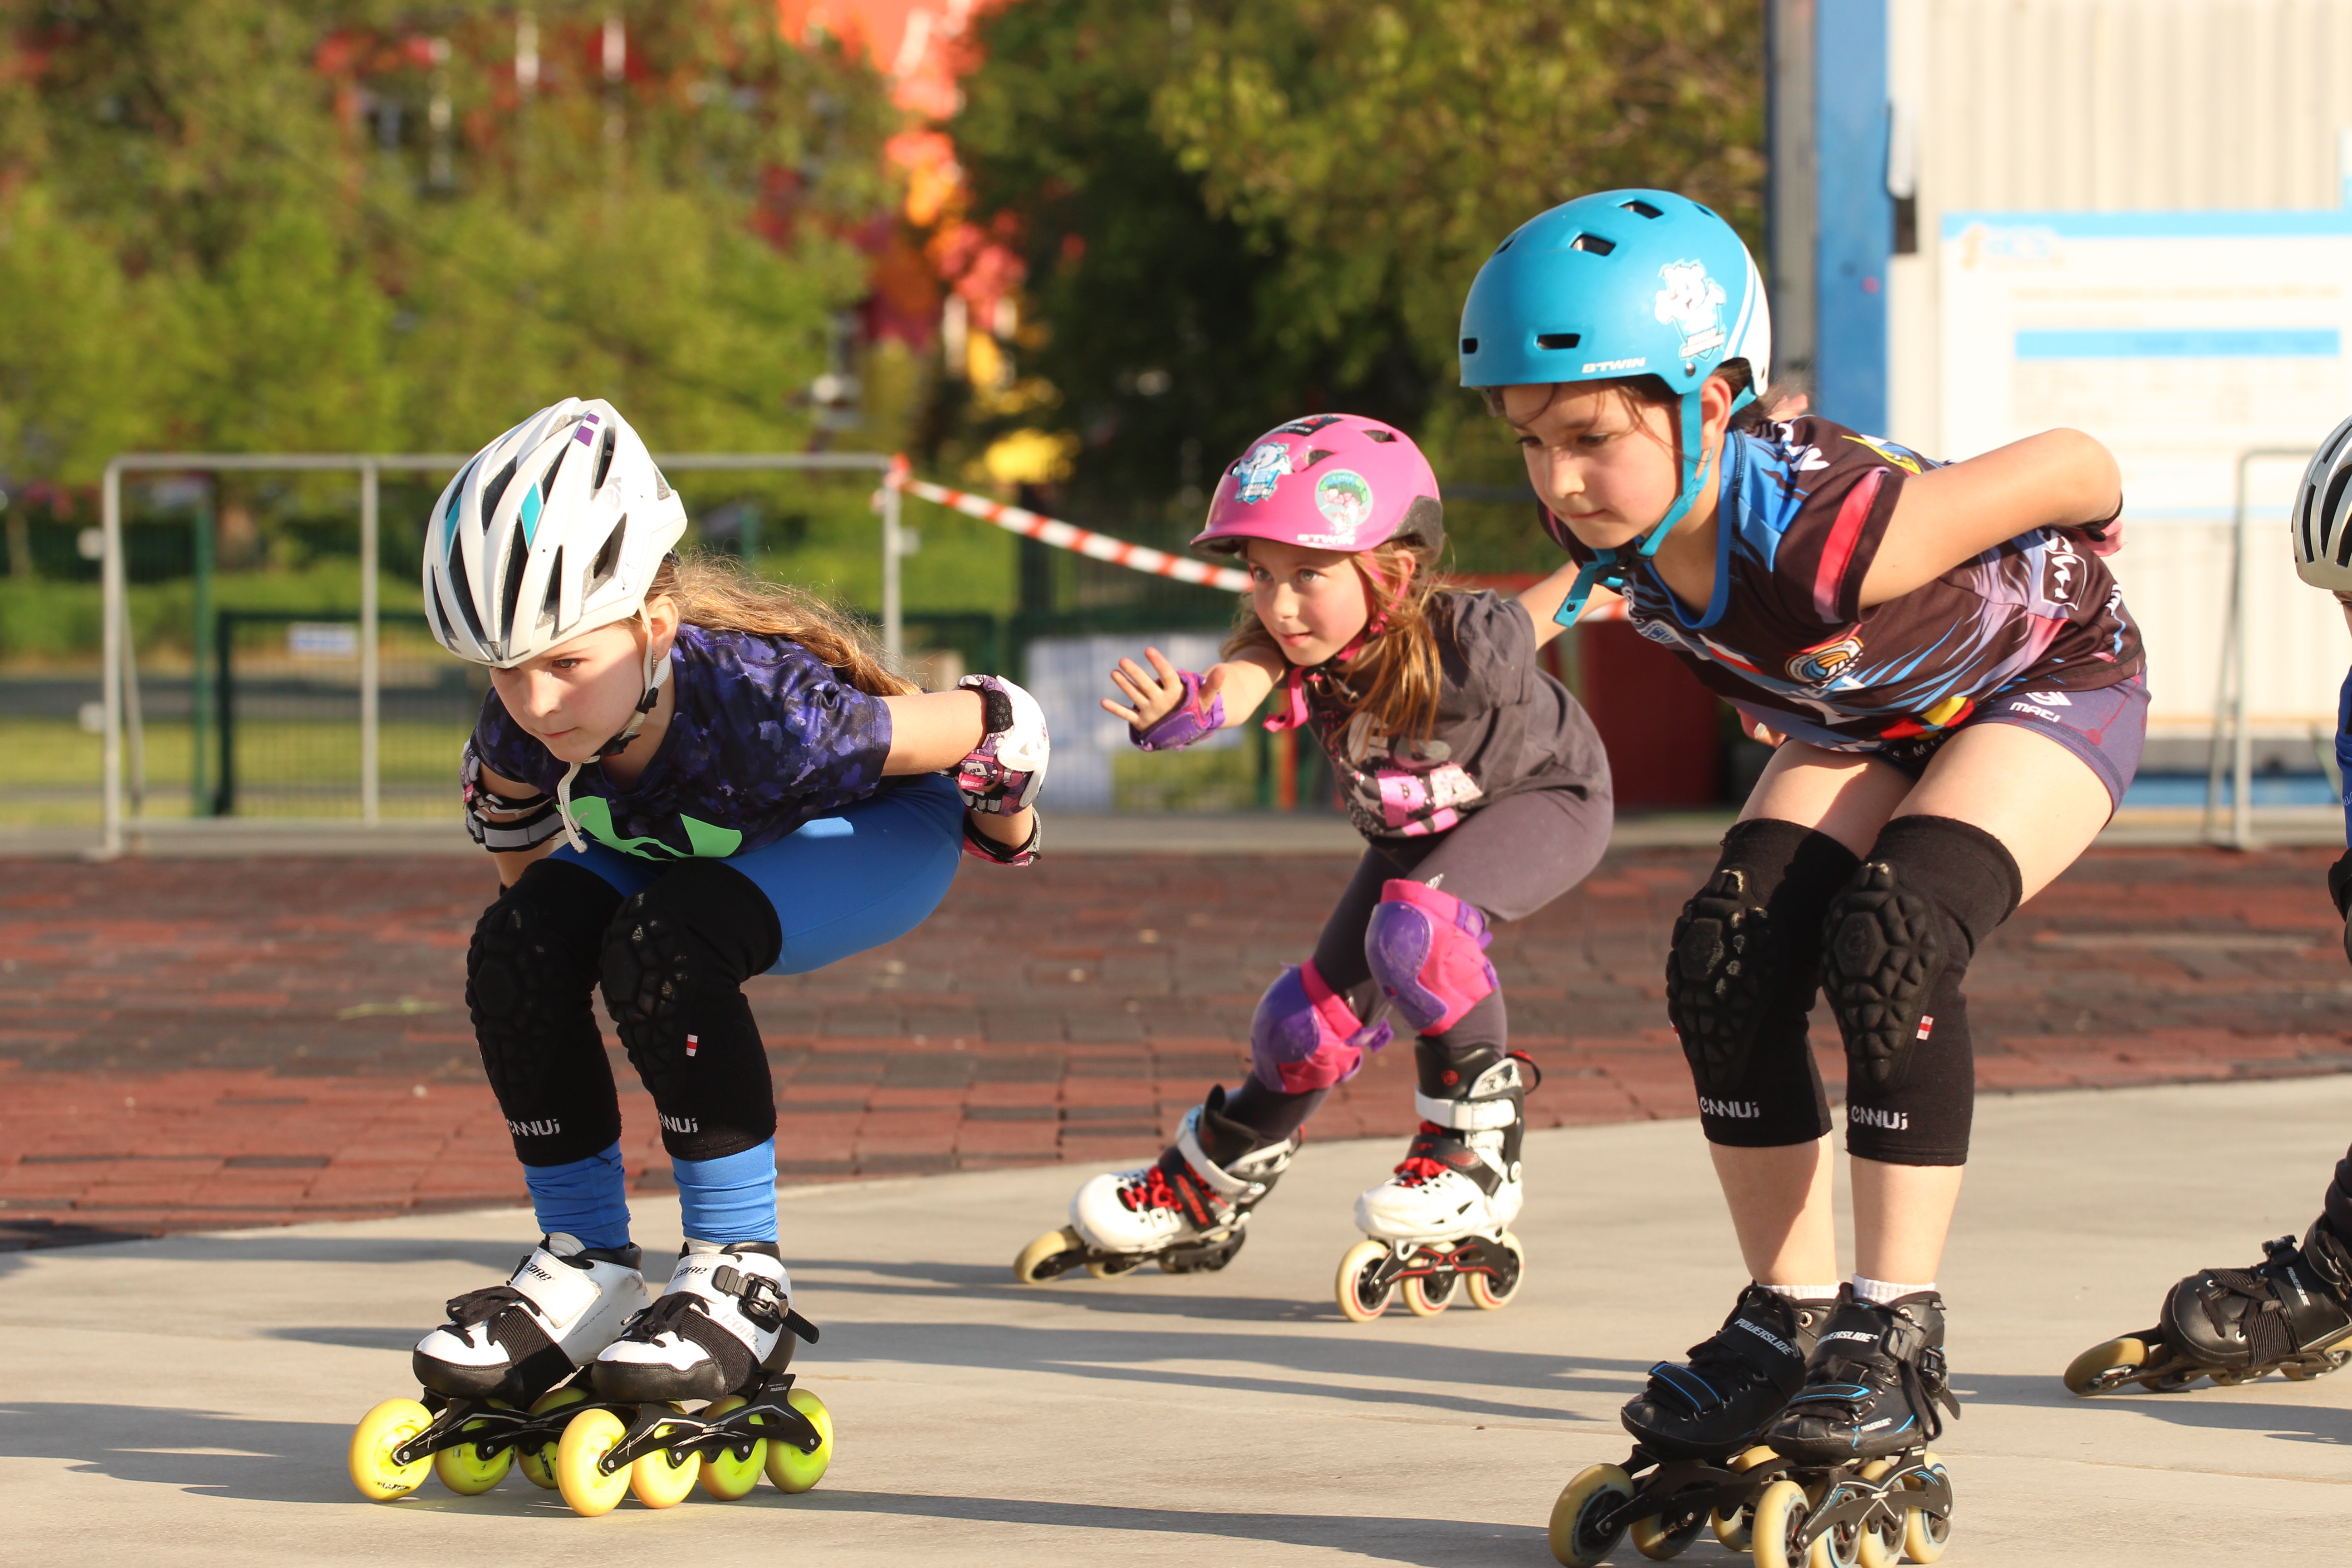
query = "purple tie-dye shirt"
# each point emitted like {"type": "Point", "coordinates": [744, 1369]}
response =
{"type": "Point", "coordinates": [764, 739]}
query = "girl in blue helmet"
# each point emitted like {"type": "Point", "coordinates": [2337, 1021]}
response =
{"type": "Point", "coordinates": [1955, 690]}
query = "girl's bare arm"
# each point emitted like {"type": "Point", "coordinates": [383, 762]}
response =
{"type": "Point", "coordinates": [2060, 478]}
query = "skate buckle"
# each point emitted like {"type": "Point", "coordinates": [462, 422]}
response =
{"type": "Point", "coordinates": [761, 1303]}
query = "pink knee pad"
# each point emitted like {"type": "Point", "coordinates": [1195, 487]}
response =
{"type": "Point", "coordinates": [1428, 950]}
{"type": "Point", "coordinates": [1305, 1036]}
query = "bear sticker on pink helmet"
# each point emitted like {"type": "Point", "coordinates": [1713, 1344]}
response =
{"type": "Point", "coordinates": [1267, 465]}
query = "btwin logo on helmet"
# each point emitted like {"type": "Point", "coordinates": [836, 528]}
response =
{"type": "Point", "coordinates": [1692, 304]}
{"type": "Point", "coordinates": [1611, 366]}
{"type": "Point", "coordinates": [1820, 665]}
{"type": "Point", "coordinates": [1268, 464]}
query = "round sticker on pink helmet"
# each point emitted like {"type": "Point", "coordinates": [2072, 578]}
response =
{"type": "Point", "coordinates": [1344, 499]}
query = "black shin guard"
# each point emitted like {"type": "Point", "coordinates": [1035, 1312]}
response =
{"type": "Point", "coordinates": [1896, 945]}
{"type": "Point", "coordinates": [530, 982]}
{"type": "Point", "coordinates": [1740, 977]}
{"type": "Point", "coordinates": [676, 958]}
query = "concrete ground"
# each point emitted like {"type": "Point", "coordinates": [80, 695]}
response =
{"type": "Point", "coordinates": [187, 1400]}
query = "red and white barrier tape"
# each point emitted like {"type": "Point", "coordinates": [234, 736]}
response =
{"type": "Point", "coordinates": [1070, 536]}
{"type": "Point", "coordinates": [1101, 546]}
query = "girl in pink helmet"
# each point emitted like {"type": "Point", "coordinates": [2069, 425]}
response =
{"type": "Point", "coordinates": [1482, 793]}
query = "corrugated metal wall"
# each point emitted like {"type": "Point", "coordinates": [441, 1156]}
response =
{"type": "Point", "coordinates": [2122, 105]}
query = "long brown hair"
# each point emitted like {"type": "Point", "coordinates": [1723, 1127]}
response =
{"type": "Point", "coordinates": [1393, 680]}
{"type": "Point", "coordinates": [715, 593]}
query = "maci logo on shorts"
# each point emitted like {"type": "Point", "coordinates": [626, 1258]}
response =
{"type": "Point", "coordinates": [1824, 662]}
{"type": "Point", "coordinates": [2043, 713]}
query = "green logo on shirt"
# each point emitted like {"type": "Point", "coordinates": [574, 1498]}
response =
{"type": "Point", "coordinates": [596, 815]}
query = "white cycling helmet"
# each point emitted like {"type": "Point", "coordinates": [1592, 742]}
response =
{"type": "Point", "coordinates": [2322, 518]}
{"type": "Point", "coordinates": [552, 530]}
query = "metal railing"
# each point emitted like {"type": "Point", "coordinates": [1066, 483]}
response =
{"type": "Point", "coordinates": [124, 728]}
{"type": "Point", "coordinates": [2230, 689]}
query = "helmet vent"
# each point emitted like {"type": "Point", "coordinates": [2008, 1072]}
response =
{"type": "Point", "coordinates": [1593, 243]}
{"type": "Point", "coordinates": [1557, 339]}
{"type": "Point", "coordinates": [604, 460]}
{"type": "Point", "coordinates": [1469, 345]}
{"type": "Point", "coordinates": [462, 590]}
{"type": "Point", "coordinates": [495, 491]}
{"type": "Point", "coordinates": [1385, 437]}
{"type": "Point", "coordinates": [510, 592]}
{"type": "Point", "coordinates": [1640, 208]}
{"type": "Point", "coordinates": [1506, 245]}
{"type": "Point", "coordinates": [2328, 514]}
{"type": "Point", "coordinates": [1316, 455]}
{"type": "Point", "coordinates": [551, 606]}
{"type": "Point", "coordinates": [600, 571]}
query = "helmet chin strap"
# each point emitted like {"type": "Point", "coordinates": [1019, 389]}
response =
{"type": "Point", "coordinates": [1610, 568]}
{"type": "Point", "coordinates": [655, 677]}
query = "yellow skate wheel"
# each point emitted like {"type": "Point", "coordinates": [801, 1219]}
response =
{"type": "Point", "coordinates": [663, 1478]}
{"type": "Point", "coordinates": [536, 1460]}
{"type": "Point", "coordinates": [1044, 1251]}
{"type": "Point", "coordinates": [1925, 1536]}
{"type": "Point", "coordinates": [1486, 1293]}
{"type": "Point", "coordinates": [465, 1469]}
{"type": "Point", "coordinates": [1426, 1295]}
{"type": "Point", "coordinates": [1664, 1535]}
{"type": "Point", "coordinates": [1577, 1539]}
{"type": "Point", "coordinates": [1780, 1510]}
{"type": "Point", "coordinates": [725, 1474]}
{"type": "Point", "coordinates": [380, 1431]}
{"type": "Point", "coordinates": [792, 1471]}
{"type": "Point", "coordinates": [2104, 1368]}
{"type": "Point", "coordinates": [589, 1489]}
{"type": "Point", "coordinates": [1732, 1528]}
{"type": "Point", "coordinates": [1358, 1301]}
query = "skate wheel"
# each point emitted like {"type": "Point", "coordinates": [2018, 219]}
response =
{"type": "Point", "coordinates": [589, 1488]}
{"type": "Point", "coordinates": [1049, 1257]}
{"type": "Point", "coordinates": [1925, 1534]}
{"type": "Point", "coordinates": [792, 1471]}
{"type": "Point", "coordinates": [1664, 1534]}
{"type": "Point", "coordinates": [465, 1469]}
{"type": "Point", "coordinates": [2104, 1368]}
{"type": "Point", "coordinates": [380, 1431]}
{"type": "Point", "coordinates": [733, 1471]}
{"type": "Point", "coordinates": [1578, 1538]}
{"type": "Point", "coordinates": [1426, 1295]}
{"type": "Point", "coordinates": [1360, 1301]}
{"type": "Point", "coordinates": [1491, 1288]}
{"type": "Point", "coordinates": [1732, 1529]}
{"type": "Point", "coordinates": [536, 1460]}
{"type": "Point", "coordinates": [1880, 1542]}
{"type": "Point", "coordinates": [1779, 1527]}
{"type": "Point", "coordinates": [663, 1478]}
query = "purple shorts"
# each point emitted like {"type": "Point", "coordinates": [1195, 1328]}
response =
{"type": "Point", "coordinates": [2107, 727]}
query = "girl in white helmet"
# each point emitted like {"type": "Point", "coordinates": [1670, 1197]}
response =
{"type": "Point", "coordinates": [687, 777]}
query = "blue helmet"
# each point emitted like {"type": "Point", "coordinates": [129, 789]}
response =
{"type": "Point", "coordinates": [1622, 283]}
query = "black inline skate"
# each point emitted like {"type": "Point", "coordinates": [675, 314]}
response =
{"type": "Point", "coordinates": [2291, 1313]}
{"type": "Point", "coordinates": [1861, 1488]}
{"type": "Point", "coordinates": [1699, 1458]}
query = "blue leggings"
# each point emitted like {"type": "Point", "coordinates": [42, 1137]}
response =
{"type": "Point", "coordinates": [672, 962]}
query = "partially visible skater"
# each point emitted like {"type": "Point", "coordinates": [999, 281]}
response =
{"type": "Point", "coordinates": [2291, 1313]}
{"type": "Point", "coordinates": [1955, 693]}
{"type": "Point", "coordinates": [1483, 794]}
{"type": "Point", "coordinates": [686, 777]}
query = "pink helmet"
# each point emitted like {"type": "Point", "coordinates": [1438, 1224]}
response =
{"type": "Point", "coordinates": [1330, 481]}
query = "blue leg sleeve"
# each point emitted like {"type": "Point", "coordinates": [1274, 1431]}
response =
{"type": "Point", "coordinates": [731, 1198]}
{"type": "Point", "coordinates": [586, 1198]}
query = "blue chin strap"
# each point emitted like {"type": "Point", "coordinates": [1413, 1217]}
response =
{"type": "Point", "coordinates": [1609, 568]}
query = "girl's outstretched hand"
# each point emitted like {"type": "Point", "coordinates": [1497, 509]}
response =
{"type": "Point", "coordinates": [1153, 693]}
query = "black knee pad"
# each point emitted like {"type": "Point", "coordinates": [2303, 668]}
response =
{"type": "Point", "coordinates": [530, 983]}
{"type": "Point", "coordinates": [1896, 946]}
{"type": "Point", "coordinates": [675, 960]}
{"type": "Point", "coordinates": [1740, 977]}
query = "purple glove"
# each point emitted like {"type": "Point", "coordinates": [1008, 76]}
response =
{"type": "Point", "coordinates": [1187, 722]}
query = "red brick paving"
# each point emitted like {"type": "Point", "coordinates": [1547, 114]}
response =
{"type": "Point", "coordinates": [200, 1044]}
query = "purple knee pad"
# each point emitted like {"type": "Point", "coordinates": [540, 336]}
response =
{"type": "Point", "coordinates": [1428, 950]}
{"type": "Point", "coordinates": [1305, 1036]}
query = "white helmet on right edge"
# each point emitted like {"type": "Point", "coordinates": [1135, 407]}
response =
{"type": "Point", "coordinates": [2322, 518]}
{"type": "Point", "coordinates": [552, 530]}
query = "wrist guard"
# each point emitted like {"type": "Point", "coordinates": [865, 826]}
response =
{"type": "Point", "coordinates": [2106, 536]}
{"type": "Point", "coordinates": [2339, 884]}
{"type": "Point", "coordinates": [505, 834]}
{"type": "Point", "coordinates": [1003, 773]}
{"type": "Point", "coordinates": [980, 846]}
{"type": "Point", "coordinates": [1188, 721]}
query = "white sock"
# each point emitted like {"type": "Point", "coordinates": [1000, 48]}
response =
{"type": "Point", "coordinates": [1804, 1292]}
{"type": "Point", "coordinates": [1881, 1291]}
